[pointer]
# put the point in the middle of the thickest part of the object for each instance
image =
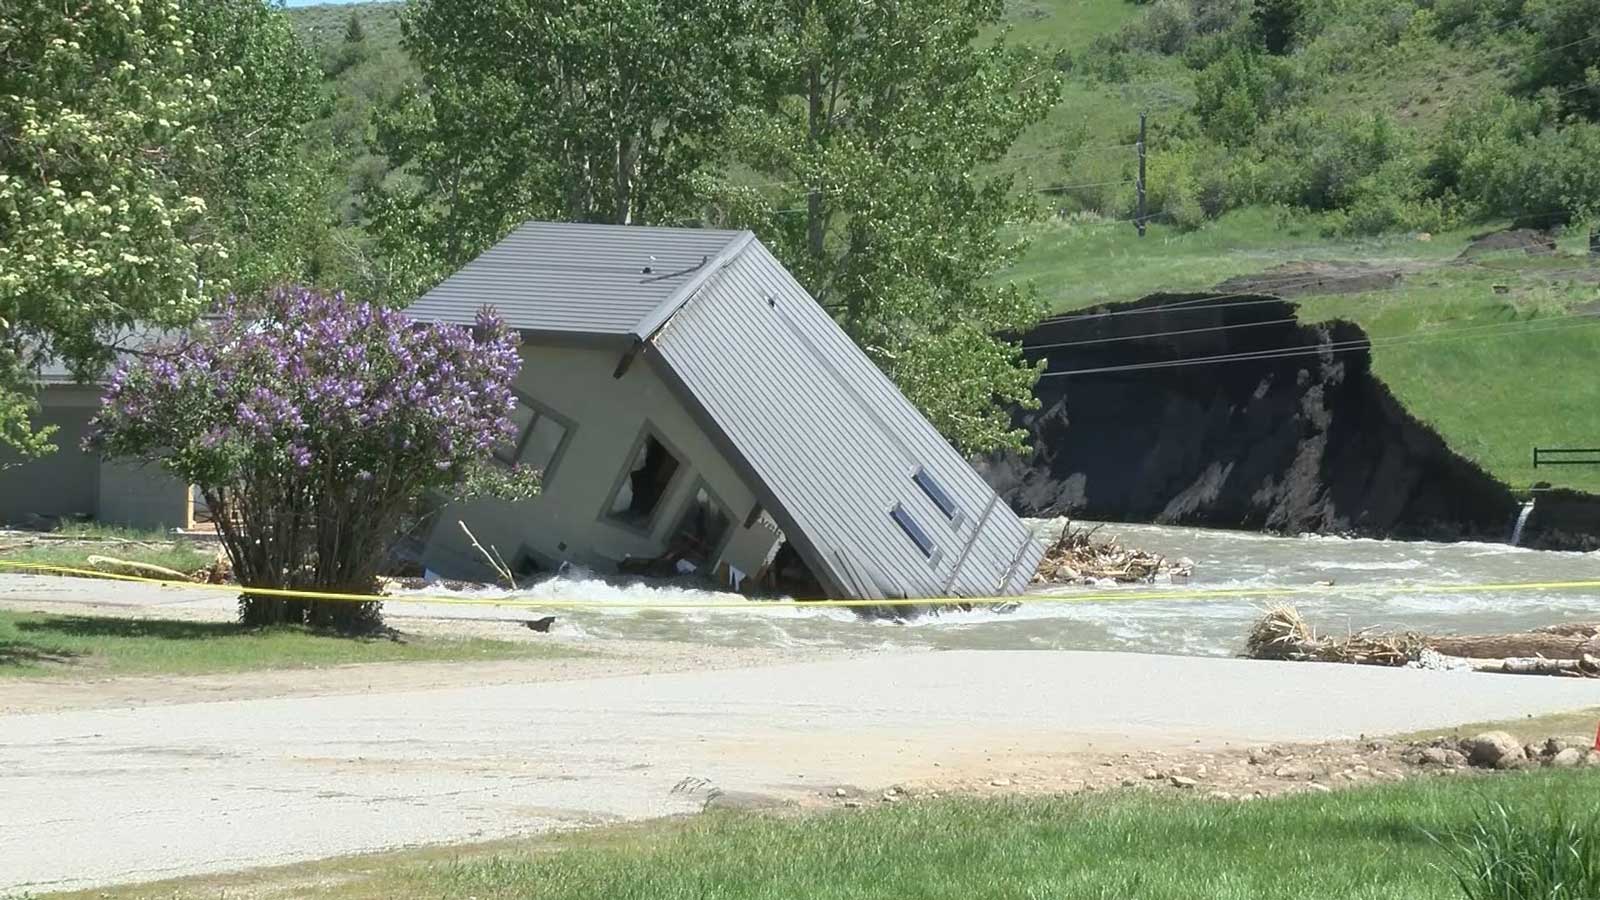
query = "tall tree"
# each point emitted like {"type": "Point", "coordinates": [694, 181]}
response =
{"type": "Point", "coordinates": [150, 155]}
{"type": "Point", "coordinates": [265, 186]}
{"type": "Point", "coordinates": [605, 111]}
{"type": "Point", "coordinates": [876, 149]}
{"type": "Point", "coordinates": [98, 113]}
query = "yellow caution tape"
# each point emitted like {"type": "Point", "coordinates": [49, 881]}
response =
{"type": "Point", "coordinates": [1078, 597]}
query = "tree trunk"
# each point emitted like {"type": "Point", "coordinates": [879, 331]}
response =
{"type": "Point", "coordinates": [1524, 644]}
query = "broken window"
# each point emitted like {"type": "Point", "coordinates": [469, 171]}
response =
{"type": "Point", "coordinates": [538, 441]}
{"type": "Point", "coordinates": [913, 530]}
{"type": "Point", "coordinates": [640, 491]}
{"type": "Point", "coordinates": [700, 530]}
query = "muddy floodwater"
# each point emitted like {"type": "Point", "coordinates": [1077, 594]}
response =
{"type": "Point", "coordinates": [1383, 584]}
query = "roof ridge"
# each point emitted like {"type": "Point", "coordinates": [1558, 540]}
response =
{"type": "Point", "coordinates": [658, 317]}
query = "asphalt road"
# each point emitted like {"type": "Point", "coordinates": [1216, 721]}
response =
{"type": "Point", "coordinates": [92, 797]}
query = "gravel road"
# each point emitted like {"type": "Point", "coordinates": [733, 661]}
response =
{"type": "Point", "coordinates": [97, 796]}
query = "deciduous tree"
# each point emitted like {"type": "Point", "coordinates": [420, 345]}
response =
{"type": "Point", "coordinates": [604, 111]}
{"type": "Point", "coordinates": [878, 148]}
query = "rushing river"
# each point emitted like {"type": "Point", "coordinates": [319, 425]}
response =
{"type": "Point", "coordinates": [1374, 584]}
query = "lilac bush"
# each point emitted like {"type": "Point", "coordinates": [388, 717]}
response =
{"type": "Point", "coordinates": [311, 424]}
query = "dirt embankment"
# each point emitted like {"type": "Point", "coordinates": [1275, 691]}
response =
{"type": "Point", "coordinates": [1303, 439]}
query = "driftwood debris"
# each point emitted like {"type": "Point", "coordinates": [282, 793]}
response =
{"type": "Point", "coordinates": [1571, 649]}
{"type": "Point", "coordinates": [1078, 557]}
{"type": "Point", "coordinates": [114, 566]}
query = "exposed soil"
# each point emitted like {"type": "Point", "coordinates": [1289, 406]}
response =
{"type": "Point", "coordinates": [1305, 441]}
{"type": "Point", "coordinates": [1230, 774]}
{"type": "Point", "coordinates": [1529, 240]}
{"type": "Point", "coordinates": [1297, 279]}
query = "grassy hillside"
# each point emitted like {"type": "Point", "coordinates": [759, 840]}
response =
{"type": "Point", "coordinates": [1334, 168]}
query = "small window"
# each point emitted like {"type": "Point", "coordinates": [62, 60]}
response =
{"type": "Point", "coordinates": [538, 441]}
{"type": "Point", "coordinates": [924, 480]}
{"type": "Point", "coordinates": [643, 485]}
{"type": "Point", "coordinates": [700, 530]}
{"type": "Point", "coordinates": [913, 530]}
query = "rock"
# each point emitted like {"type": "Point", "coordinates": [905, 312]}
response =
{"type": "Point", "coordinates": [1151, 774]}
{"type": "Point", "coordinates": [1129, 782]}
{"type": "Point", "coordinates": [1532, 751]}
{"type": "Point", "coordinates": [1493, 750]}
{"type": "Point", "coordinates": [840, 792]}
{"type": "Point", "coordinates": [743, 800]}
{"type": "Point", "coordinates": [1553, 746]}
{"type": "Point", "coordinates": [1258, 758]}
{"type": "Point", "coordinates": [1568, 758]}
{"type": "Point", "coordinates": [1181, 781]}
{"type": "Point", "coordinates": [1319, 788]}
{"type": "Point", "coordinates": [1220, 795]}
{"type": "Point", "coordinates": [891, 797]}
{"type": "Point", "coordinates": [1000, 782]}
{"type": "Point", "coordinates": [1294, 773]}
{"type": "Point", "coordinates": [1434, 756]}
{"type": "Point", "coordinates": [852, 804]}
{"type": "Point", "coordinates": [1200, 771]}
{"type": "Point", "coordinates": [1592, 759]}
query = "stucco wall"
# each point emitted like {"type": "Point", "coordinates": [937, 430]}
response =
{"type": "Point", "coordinates": [72, 483]}
{"type": "Point", "coordinates": [141, 495]}
{"type": "Point", "coordinates": [64, 483]}
{"type": "Point", "coordinates": [565, 523]}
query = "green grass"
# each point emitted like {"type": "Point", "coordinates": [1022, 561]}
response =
{"type": "Point", "coordinates": [1078, 264]}
{"type": "Point", "coordinates": [1494, 373]}
{"type": "Point", "coordinates": [1393, 841]}
{"type": "Point", "coordinates": [180, 557]}
{"type": "Point", "coordinates": [36, 644]}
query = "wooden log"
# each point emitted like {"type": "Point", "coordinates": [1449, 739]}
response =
{"type": "Point", "coordinates": [112, 565]}
{"type": "Point", "coordinates": [1587, 667]}
{"type": "Point", "coordinates": [1519, 644]}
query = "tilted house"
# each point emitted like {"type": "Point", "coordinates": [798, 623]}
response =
{"type": "Point", "coordinates": [694, 409]}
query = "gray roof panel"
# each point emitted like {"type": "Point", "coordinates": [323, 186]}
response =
{"type": "Point", "coordinates": [576, 279]}
{"type": "Point", "coordinates": [834, 444]}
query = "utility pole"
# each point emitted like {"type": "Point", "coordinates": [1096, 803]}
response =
{"type": "Point", "coordinates": [1138, 220]}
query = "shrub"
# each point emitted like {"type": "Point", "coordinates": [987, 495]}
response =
{"type": "Point", "coordinates": [1517, 159]}
{"type": "Point", "coordinates": [1238, 92]}
{"type": "Point", "coordinates": [311, 424]}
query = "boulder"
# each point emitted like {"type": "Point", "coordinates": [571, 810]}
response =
{"type": "Point", "coordinates": [1494, 750]}
{"type": "Point", "coordinates": [1570, 758]}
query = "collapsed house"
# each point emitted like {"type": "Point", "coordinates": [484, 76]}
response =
{"type": "Point", "coordinates": [694, 410]}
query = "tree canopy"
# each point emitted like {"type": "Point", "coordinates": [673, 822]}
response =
{"type": "Point", "coordinates": [150, 155]}
{"type": "Point", "coordinates": [597, 112]}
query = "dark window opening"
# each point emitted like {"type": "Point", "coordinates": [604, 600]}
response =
{"type": "Point", "coordinates": [924, 480]}
{"type": "Point", "coordinates": [913, 530]}
{"type": "Point", "coordinates": [537, 442]}
{"type": "Point", "coordinates": [701, 529]}
{"type": "Point", "coordinates": [649, 474]}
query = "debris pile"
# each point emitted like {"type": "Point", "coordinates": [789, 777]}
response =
{"type": "Point", "coordinates": [1078, 557]}
{"type": "Point", "coordinates": [1570, 649]}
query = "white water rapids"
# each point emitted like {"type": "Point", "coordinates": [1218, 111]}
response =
{"type": "Point", "coordinates": [1369, 590]}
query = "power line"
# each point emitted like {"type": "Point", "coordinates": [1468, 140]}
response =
{"type": "Point", "coordinates": [1159, 334]}
{"type": "Point", "coordinates": [1334, 347]}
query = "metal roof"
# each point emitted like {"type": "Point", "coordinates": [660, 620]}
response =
{"type": "Point", "coordinates": [834, 445]}
{"type": "Point", "coordinates": [574, 279]}
{"type": "Point", "coordinates": [829, 444]}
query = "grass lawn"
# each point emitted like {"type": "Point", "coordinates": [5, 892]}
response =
{"type": "Point", "coordinates": [1380, 842]}
{"type": "Point", "coordinates": [40, 645]}
{"type": "Point", "coordinates": [74, 542]}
